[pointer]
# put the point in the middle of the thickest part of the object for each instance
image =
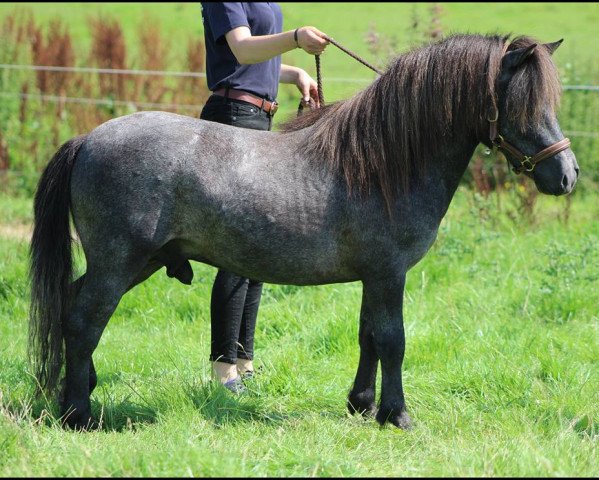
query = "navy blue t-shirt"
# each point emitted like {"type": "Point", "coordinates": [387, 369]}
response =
{"type": "Point", "coordinates": [222, 68]}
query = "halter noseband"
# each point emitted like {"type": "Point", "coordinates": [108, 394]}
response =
{"type": "Point", "coordinates": [526, 162]}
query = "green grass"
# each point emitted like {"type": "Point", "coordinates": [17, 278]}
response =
{"type": "Point", "coordinates": [500, 372]}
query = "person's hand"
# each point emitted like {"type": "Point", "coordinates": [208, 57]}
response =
{"type": "Point", "coordinates": [312, 40]}
{"type": "Point", "coordinates": [307, 87]}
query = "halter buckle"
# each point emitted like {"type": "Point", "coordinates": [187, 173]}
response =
{"type": "Point", "coordinates": [527, 165]}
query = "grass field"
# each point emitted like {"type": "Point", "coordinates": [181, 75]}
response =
{"type": "Point", "coordinates": [502, 319]}
{"type": "Point", "coordinates": [500, 373]}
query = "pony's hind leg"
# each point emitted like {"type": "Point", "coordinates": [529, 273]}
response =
{"type": "Point", "coordinates": [98, 297]}
{"type": "Point", "coordinates": [361, 398]}
{"type": "Point", "coordinates": [93, 378]}
{"type": "Point", "coordinates": [145, 273]}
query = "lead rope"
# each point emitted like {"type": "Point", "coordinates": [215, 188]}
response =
{"type": "Point", "coordinates": [354, 56]}
{"type": "Point", "coordinates": [312, 104]}
{"type": "Point", "coordinates": [319, 80]}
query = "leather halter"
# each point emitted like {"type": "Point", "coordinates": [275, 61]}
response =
{"type": "Point", "coordinates": [526, 163]}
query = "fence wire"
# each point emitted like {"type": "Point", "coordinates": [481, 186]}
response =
{"type": "Point", "coordinates": [98, 101]}
{"type": "Point", "coordinates": [161, 73]}
{"type": "Point", "coordinates": [167, 73]}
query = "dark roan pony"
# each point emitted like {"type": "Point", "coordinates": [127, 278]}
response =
{"type": "Point", "coordinates": [352, 192]}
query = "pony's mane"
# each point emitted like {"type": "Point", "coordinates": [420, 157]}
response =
{"type": "Point", "coordinates": [386, 134]}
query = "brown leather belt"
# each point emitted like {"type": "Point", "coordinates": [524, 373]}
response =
{"type": "Point", "coordinates": [269, 107]}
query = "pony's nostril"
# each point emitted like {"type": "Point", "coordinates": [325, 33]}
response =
{"type": "Point", "coordinates": [577, 170]}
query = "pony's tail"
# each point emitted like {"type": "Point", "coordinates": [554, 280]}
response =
{"type": "Point", "coordinates": [51, 265]}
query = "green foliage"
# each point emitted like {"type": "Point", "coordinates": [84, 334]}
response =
{"type": "Point", "coordinates": [500, 370]}
{"type": "Point", "coordinates": [376, 31]}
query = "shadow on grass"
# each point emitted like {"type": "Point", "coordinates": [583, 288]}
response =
{"type": "Point", "coordinates": [110, 416]}
{"type": "Point", "coordinates": [216, 404]}
{"type": "Point", "coordinates": [114, 413]}
{"type": "Point", "coordinates": [124, 415]}
{"type": "Point", "coordinates": [210, 400]}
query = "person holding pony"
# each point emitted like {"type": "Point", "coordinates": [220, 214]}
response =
{"type": "Point", "coordinates": [244, 42]}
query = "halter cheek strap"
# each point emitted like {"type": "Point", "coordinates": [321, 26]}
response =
{"type": "Point", "coordinates": [525, 163]}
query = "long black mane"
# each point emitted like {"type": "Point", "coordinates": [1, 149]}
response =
{"type": "Point", "coordinates": [386, 134]}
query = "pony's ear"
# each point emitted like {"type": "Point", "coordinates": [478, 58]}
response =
{"type": "Point", "coordinates": [512, 60]}
{"type": "Point", "coordinates": [552, 47]}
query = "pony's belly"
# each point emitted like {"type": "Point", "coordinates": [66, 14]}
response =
{"type": "Point", "coordinates": [274, 256]}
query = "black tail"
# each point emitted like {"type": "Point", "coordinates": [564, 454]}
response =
{"type": "Point", "coordinates": [51, 265]}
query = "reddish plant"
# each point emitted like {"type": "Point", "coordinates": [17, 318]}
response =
{"type": "Point", "coordinates": [480, 176]}
{"type": "Point", "coordinates": [4, 158]}
{"type": "Point", "coordinates": [193, 90]}
{"type": "Point", "coordinates": [109, 51]}
{"type": "Point", "coordinates": [56, 50]}
{"type": "Point", "coordinates": [435, 30]}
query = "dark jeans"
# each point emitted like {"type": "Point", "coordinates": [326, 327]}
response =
{"type": "Point", "coordinates": [235, 300]}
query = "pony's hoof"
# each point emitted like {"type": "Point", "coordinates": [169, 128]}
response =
{"type": "Point", "coordinates": [362, 403]}
{"type": "Point", "coordinates": [84, 423]}
{"type": "Point", "coordinates": [401, 420]}
{"type": "Point", "coordinates": [78, 419]}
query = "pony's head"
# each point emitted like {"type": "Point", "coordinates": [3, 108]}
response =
{"type": "Point", "coordinates": [525, 126]}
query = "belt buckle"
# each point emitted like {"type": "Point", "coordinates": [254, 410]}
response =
{"type": "Point", "coordinates": [274, 106]}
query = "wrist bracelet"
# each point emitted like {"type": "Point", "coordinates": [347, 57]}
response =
{"type": "Point", "coordinates": [295, 37]}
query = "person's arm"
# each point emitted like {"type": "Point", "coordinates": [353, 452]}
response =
{"type": "Point", "coordinates": [250, 49]}
{"type": "Point", "coordinates": [304, 82]}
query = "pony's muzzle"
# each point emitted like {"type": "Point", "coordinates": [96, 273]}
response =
{"type": "Point", "coordinates": [557, 176]}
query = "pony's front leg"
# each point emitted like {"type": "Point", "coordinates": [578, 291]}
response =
{"type": "Point", "coordinates": [362, 396]}
{"type": "Point", "coordinates": [383, 304]}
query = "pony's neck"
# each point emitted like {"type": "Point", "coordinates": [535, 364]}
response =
{"type": "Point", "coordinates": [449, 166]}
